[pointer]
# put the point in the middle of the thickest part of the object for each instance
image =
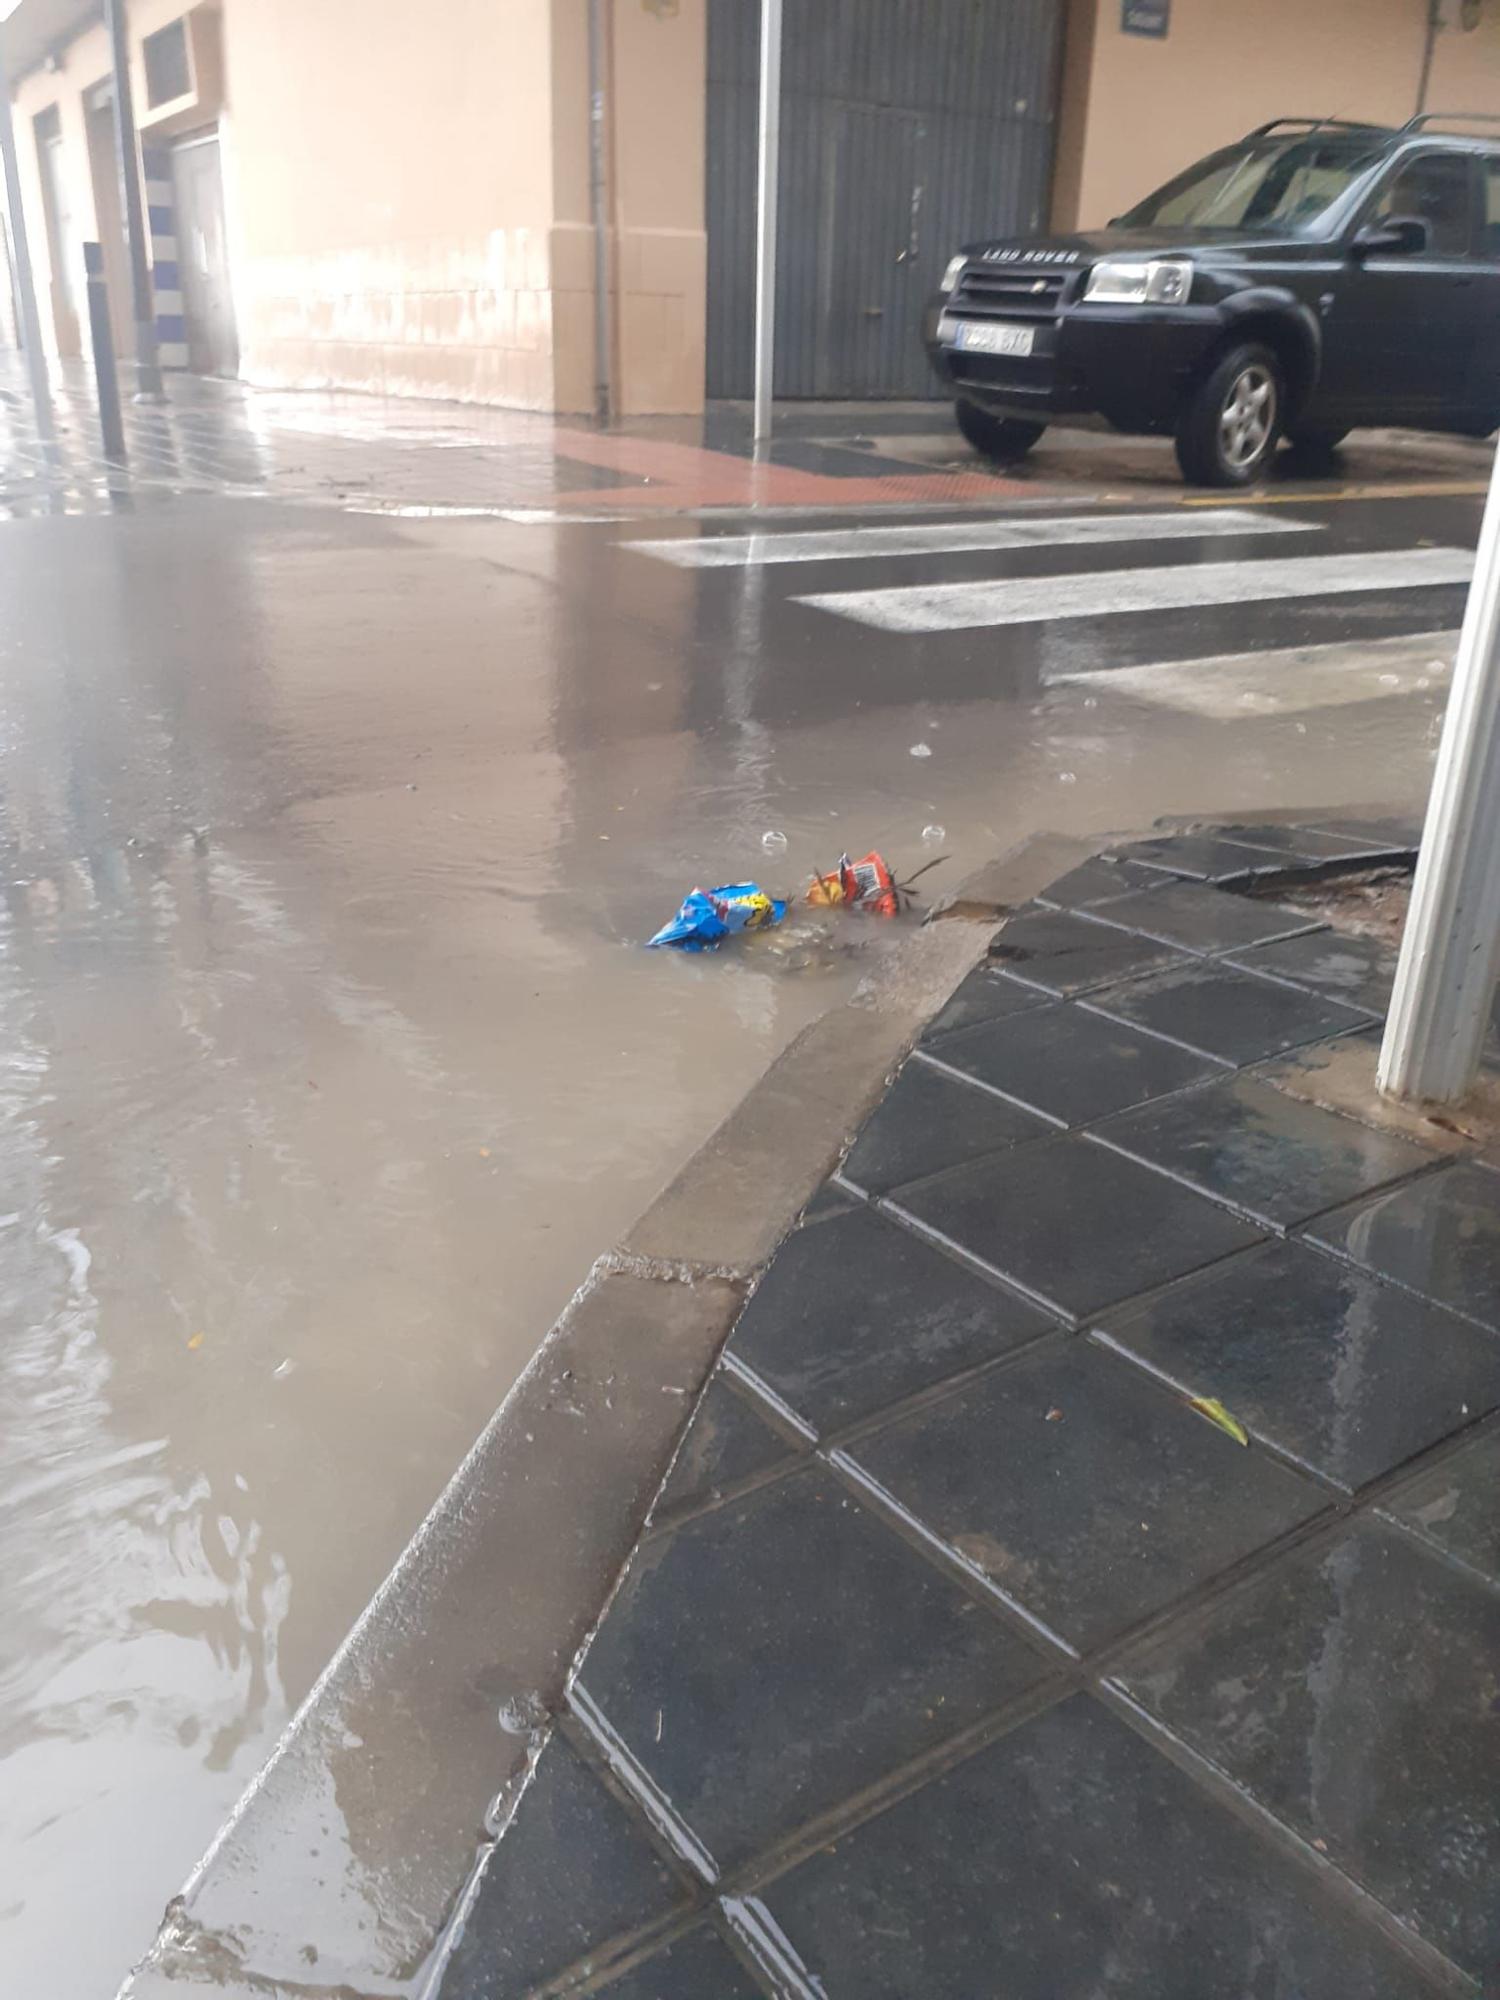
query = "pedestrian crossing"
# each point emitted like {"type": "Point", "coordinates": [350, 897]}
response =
{"type": "Point", "coordinates": [957, 607]}
{"type": "Point", "coordinates": [1280, 680]}
{"type": "Point", "coordinates": [962, 537]}
{"type": "Point", "coordinates": [1247, 555]}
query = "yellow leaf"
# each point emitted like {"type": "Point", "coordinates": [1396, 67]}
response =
{"type": "Point", "coordinates": [195, 1341]}
{"type": "Point", "coordinates": [1214, 1410]}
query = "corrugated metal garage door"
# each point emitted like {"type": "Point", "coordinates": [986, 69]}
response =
{"type": "Point", "coordinates": [907, 126]}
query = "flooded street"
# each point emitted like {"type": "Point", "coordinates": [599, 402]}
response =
{"type": "Point", "coordinates": [329, 1060]}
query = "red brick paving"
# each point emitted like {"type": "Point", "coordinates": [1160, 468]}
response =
{"type": "Point", "coordinates": [685, 475]}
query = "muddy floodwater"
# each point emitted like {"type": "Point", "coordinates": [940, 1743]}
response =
{"type": "Point", "coordinates": [329, 1059]}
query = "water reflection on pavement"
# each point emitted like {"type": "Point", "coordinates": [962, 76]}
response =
{"type": "Point", "coordinates": [328, 1062]}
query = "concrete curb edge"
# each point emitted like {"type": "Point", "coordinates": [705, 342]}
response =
{"type": "Point", "coordinates": [397, 1769]}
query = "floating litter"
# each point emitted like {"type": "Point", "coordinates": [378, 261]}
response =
{"type": "Point", "coordinates": [934, 836]}
{"type": "Point", "coordinates": [708, 916]}
{"type": "Point", "coordinates": [773, 842]}
{"type": "Point", "coordinates": [921, 750]}
{"type": "Point", "coordinates": [1067, 777]}
{"type": "Point", "coordinates": [868, 885]}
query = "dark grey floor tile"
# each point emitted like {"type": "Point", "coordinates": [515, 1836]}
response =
{"type": "Point", "coordinates": [864, 1313]}
{"type": "Point", "coordinates": [1095, 1516]}
{"type": "Point", "coordinates": [1199, 918]}
{"type": "Point", "coordinates": [1074, 1224]}
{"type": "Point", "coordinates": [1456, 1505]}
{"type": "Point", "coordinates": [1065, 953]}
{"type": "Point", "coordinates": [928, 1120]}
{"type": "Point", "coordinates": [1357, 970]}
{"type": "Point", "coordinates": [1344, 1373]}
{"type": "Point", "coordinates": [1072, 1861]}
{"type": "Point", "coordinates": [830, 1199]}
{"type": "Point", "coordinates": [986, 995]}
{"type": "Point", "coordinates": [725, 1442]}
{"type": "Point", "coordinates": [1296, 1072]}
{"type": "Point", "coordinates": [1073, 1065]}
{"type": "Point", "coordinates": [1236, 1016]}
{"type": "Point", "coordinates": [1098, 881]}
{"type": "Point", "coordinates": [772, 1657]}
{"type": "Point", "coordinates": [1273, 1155]}
{"type": "Point", "coordinates": [1388, 835]}
{"type": "Point", "coordinates": [1202, 857]}
{"type": "Point", "coordinates": [1303, 843]}
{"type": "Point", "coordinates": [1440, 1236]}
{"type": "Point", "coordinates": [1352, 1690]}
{"type": "Point", "coordinates": [570, 1872]}
{"type": "Point", "coordinates": [697, 1967]}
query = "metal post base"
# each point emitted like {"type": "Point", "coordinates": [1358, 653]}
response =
{"type": "Point", "coordinates": [1450, 949]}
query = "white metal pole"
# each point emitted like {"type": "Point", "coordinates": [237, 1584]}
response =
{"type": "Point", "coordinates": [604, 382]}
{"type": "Point", "coordinates": [1450, 950]}
{"type": "Point", "coordinates": [30, 328]}
{"type": "Point", "coordinates": [767, 176]}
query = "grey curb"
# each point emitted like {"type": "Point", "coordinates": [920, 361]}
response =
{"type": "Point", "coordinates": [391, 1776]}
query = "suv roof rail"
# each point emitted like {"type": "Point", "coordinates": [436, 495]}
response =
{"type": "Point", "coordinates": [1319, 125]}
{"type": "Point", "coordinates": [1424, 119]}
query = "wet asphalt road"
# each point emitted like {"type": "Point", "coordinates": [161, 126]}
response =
{"type": "Point", "coordinates": [330, 1060]}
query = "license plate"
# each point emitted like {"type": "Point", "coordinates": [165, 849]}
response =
{"type": "Point", "coordinates": [984, 337]}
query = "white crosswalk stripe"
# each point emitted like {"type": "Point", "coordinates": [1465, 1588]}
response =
{"type": "Point", "coordinates": [957, 537]}
{"type": "Point", "coordinates": [956, 607]}
{"type": "Point", "coordinates": [1283, 680]}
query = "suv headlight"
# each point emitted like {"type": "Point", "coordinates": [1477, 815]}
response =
{"type": "Point", "coordinates": [1165, 281]}
{"type": "Point", "coordinates": [950, 273]}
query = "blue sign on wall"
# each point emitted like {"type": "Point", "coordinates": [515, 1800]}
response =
{"type": "Point", "coordinates": [1145, 17]}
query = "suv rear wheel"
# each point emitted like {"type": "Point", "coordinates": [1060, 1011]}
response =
{"type": "Point", "coordinates": [1005, 438]}
{"type": "Point", "coordinates": [1228, 431]}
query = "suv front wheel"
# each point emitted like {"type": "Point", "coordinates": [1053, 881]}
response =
{"type": "Point", "coordinates": [1002, 438]}
{"type": "Point", "coordinates": [1228, 431]}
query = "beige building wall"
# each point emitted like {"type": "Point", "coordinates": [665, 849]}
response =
{"type": "Point", "coordinates": [656, 82]}
{"type": "Point", "coordinates": [1134, 109]}
{"type": "Point", "coordinates": [388, 185]}
{"type": "Point", "coordinates": [407, 194]}
{"type": "Point", "coordinates": [660, 88]}
{"type": "Point", "coordinates": [1466, 67]}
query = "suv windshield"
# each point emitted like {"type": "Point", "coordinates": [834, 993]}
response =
{"type": "Point", "coordinates": [1283, 182]}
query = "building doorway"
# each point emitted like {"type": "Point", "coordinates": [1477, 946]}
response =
{"type": "Point", "coordinates": [203, 256]}
{"type": "Point", "coordinates": [907, 128]}
{"type": "Point", "coordinates": [64, 239]}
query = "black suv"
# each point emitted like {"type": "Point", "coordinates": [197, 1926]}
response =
{"type": "Point", "coordinates": [1315, 276]}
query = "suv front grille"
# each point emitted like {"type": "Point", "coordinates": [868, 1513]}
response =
{"type": "Point", "coordinates": [1017, 291]}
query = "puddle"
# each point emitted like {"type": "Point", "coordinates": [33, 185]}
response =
{"type": "Point", "coordinates": [329, 1060]}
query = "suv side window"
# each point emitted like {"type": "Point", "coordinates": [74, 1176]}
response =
{"type": "Point", "coordinates": [1489, 219]}
{"type": "Point", "coordinates": [1438, 189]}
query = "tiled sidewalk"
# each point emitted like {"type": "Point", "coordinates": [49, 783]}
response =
{"type": "Point", "coordinates": [963, 1657]}
{"type": "Point", "coordinates": [397, 454]}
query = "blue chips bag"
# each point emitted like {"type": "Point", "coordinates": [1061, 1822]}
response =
{"type": "Point", "coordinates": [708, 916]}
